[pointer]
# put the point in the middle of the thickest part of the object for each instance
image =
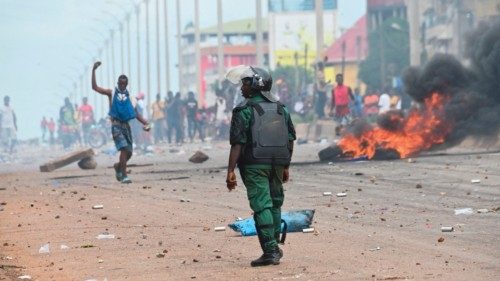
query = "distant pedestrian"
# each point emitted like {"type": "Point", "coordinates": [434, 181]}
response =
{"type": "Point", "coordinates": [158, 118]}
{"type": "Point", "coordinates": [371, 106]}
{"type": "Point", "coordinates": [341, 97]}
{"type": "Point", "coordinates": [191, 114]}
{"type": "Point", "coordinates": [121, 112]}
{"type": "Point", "coordinates": [51, 126]}
{"type": "Point", "coordinates": [176, 118]}
{"type": "Point", "coordinates": [384, 103]}
{"type": "Point", "coordinates": [8, 126]}
{"type": "Point", "coordinates": [87, 119]}
{"type": "Point", "coordinates": [43, 127]}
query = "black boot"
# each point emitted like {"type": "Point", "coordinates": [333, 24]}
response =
{"type": "Point", "coordinates": [269, 258]}
{"type": "Point", "coordinates": [277, 237]}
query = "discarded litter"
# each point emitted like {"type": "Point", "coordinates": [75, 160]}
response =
{"type": "Point", "coordinates": [464, 211]}
{"type": "Point", "coordinates": [341, 194]}
{"type": "Point", "coordinates": [105, 236]}
{"type": "Point", "coordinates": [308, 230]}
{"type": "Point", "coordinates": [483, 211]}
{"type": "Point", "coordinates": [185, 200]}
{"type": "Point", "coordinates": [475, 181]}
{"type": "Point", "coordinates": [328, 193]}
{"type": "Point", "coordinates": [95, 207]}
{"type": "Point", "coordinates": [220, 228]}
{"type": "Point", "coordinates": [64, 247]}
{"type": "Point", "coordinates": [24, 277]}
{"type": "Point", "coordinates": [45, 249]}
{"type": "Point", "coordinates": [375, 249]}
{"type": "Point", "coordinates": [295, 221]}
{"type": "Point", "coordinates": [447, 229]}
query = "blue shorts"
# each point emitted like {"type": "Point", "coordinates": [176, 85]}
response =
{"type": "Point", "coordinates": [122, 135]}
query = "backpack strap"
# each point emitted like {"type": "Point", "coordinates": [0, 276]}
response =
{"type": "Point", "coordinates": [257, 107]}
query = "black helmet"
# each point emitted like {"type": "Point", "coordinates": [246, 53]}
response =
{"type": "Point", "coordinates": [261, 80]}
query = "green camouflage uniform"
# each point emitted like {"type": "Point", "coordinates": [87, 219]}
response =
{"type": "Point", "coordinates": [264, 183]}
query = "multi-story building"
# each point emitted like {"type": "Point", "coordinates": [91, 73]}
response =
{"type": "Point", "coordinates": [239, 39]}
{"type": "Point", "coordinates": [292, 30]}
{"type": "Point", "coordinates": [380, 10]}
{"type": "Point", "coordinates": [439, 26]}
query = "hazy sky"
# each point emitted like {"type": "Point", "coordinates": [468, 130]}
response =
{"type": "Point", "coordinates": [46, 45]}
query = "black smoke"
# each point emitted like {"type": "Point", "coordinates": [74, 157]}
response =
{"type": "Point", "coordinates": [474, 91]}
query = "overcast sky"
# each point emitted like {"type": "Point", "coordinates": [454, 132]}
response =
{"type": "Point", "coordinates": [46, 44]}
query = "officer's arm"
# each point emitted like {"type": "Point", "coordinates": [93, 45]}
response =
{"type": "Point", "coordinates": [234, 155]}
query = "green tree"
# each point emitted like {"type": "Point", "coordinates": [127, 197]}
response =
{"type": "Point", "coordinates": [388, 45]}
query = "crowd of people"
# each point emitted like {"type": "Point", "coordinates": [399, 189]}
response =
{"type": "Point", "coordinates": [174, 120]}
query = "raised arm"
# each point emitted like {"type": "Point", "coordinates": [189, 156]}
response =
{"type": "Point", "coordinates": [102, 91]}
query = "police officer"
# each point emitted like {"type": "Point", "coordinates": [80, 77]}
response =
{"type": "Point", "coordinates": [261, 138]}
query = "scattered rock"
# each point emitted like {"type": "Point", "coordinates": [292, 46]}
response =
{"type": "Point", "coordinates": [441, 239]}
{"type": "Point", "coordinates": [160, 255]}
{"type": "Point", "coordinates": [418, 186]}
{"type": "Point", "coordinates": [87, 163]}
{"type": "Point", "coordinates": [198, 157]}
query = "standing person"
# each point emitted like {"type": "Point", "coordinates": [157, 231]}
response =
{"type": "Point", "coordinates": [341, 97]}
{"type": "Point", "coordinates": [8, 125]}
{"type": "Point", "coordinates": [87, 119]}
{"type": "Point", "coordinates": [169, 100]}
{"type": "Point", "coordinates": [121, 112]}
{"type": "Point", "coordinates": [371, 106]}
{"type": "Point", "coordinates": [384, 103]}
{"type": "Point", "coordinates": [357, 107]}
{"type": "Point", "coordinates": [137, 132]}
{"type": "Point", "coordinates": [158, 118]}
{"type": "Point", "coordinates": [261, 138]}
{"type": "Point", "coordinates": [221, 118]}
{"type": "Point", "coordinates": [176, 118]}
{"type": "Point", "coordinates": [67, 124]}
{"type": "Point", "coordinates": [43, 127]}
{"type": "Point", "coordinates": [191, 112]}
{"type": "Point", "coordinates": [51, 126]}
{"type": "Point", "coordinates": [320, 92]}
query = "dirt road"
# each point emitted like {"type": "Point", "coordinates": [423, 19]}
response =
{"type": "Point", "coordinates": [384, 229]}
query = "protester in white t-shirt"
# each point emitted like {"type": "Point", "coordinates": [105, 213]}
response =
{"type": "Point", "coordinates": [384, 103]}
{"type": "Point", "coordinates": [8, 125]}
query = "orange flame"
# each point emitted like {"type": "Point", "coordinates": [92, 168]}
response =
{"type": "Point", "coordinates": [420, 130]}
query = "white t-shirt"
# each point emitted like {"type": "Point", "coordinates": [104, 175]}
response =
{"type": "Point", "coordinates": [7, 115]}
{"type": "Point", "coordinates": [384, 103]}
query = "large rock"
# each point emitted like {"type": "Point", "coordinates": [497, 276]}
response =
{"type": "Point", "coordinates": [87, 163]}
{"type": "Point", "coordinates": [198, 157]}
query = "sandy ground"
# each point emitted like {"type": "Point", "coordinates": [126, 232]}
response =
{"type": "Point", "coordinates": [384, 229]}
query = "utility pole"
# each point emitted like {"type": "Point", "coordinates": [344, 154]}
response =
{"type": "Point", "coordinates": [197, 50]}
{"type": "Point", "coordinates": [108, 72]}
{"type": "Point", "coordinates": [158, 83]}
{"type": "Point", "coordinates": [129, 60]}
{"type": "Point", "coordinates": [220, 47]}
{"type": "Point", "coordinates": [167, 53]}
{"type": "Point", "coordinates": [122, 69]}
{"type": "Point", "coordinates": [258, 31]}
{"type": "Point", "coordinates": [179, 50]}
{"type": "Point", "coordinates": [113, 73]}
{"type": "Point", "coordinates": [319, 30]}
{"type": "Point", "coordinates": [148, 74]}
{"type": "Point", "coordinates": [138, 32]}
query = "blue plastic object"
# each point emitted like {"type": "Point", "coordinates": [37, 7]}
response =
{"type": "Point", "coordinates": [295, 220]}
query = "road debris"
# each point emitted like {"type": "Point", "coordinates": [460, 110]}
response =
{"type": "Point", "coordinates": [328, 193]}
{"type": "Point", "coordinates": [475, 181]}
{"type": "Point", "coordinates": [24, 277]}
{"type": "Point", "coordinates": [198, 157]}
{"type": "Point", "coordinates": [64, 247]}
{"type": "Point", "coordinates": [418, 186]}
{"type": "Point", "coordinates": [96, 207]}
{"type": "Point", "coordinates": [464, 211]}
{"type": "Point", "coordinates": [441, 239]}
{"type": "Point", "coordinates": [105, 236]}
{"type": "Point", "coordinates": [308, 230]}
{"type": "Point", "coordinates": [66, 160]}
{"type": "Point", "coordinates": [447, 229]}
{"type": "Point", "coordinates": [341, 194]}
{"type": "Point", "coordinates": [483, 211]}
{"type": "Point", "coordinates": [220, 228]}
{"type": "Point", "coordinates": [44, 249]}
